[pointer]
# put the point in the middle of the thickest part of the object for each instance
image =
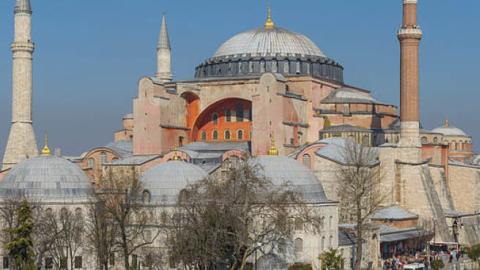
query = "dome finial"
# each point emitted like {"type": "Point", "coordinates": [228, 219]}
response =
{"type": "Point", "coordinates": [175, 155]}
{"type": "Point", "coordinates": [446, 122]}
{"type": "Point", "coordinates": [269, 23]}
{"type": "Point", "coordinates": [46, 150]}
{"type": "Point", "coordinates": [273, 151]}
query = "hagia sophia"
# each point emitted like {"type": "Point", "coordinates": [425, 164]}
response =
{"type": "Point", "coordinates": [272, 94]}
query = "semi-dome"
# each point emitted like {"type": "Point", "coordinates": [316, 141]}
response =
{"type": "Point", "coordinates": [269, 42]}
{"type": "Point", "coordinates": [47, 179]}
{"type": "Point", "coordinates": [283, 170]}
{"type": "Point", "coordinates": [164, 182]}
{"type": "Point", "coordinates": [449, 130]}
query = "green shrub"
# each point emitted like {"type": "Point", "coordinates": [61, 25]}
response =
{"type": "Point", "coordinates": [300, 266]}
{"type": "Point", "coordinates": [437, 264]}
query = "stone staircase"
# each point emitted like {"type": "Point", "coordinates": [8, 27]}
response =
{"type": "Point", "coordinates": [435, 204]}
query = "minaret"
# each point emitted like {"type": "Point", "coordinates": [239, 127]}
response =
{"type": "Point", "coordinates": [409, 36]}
{"type": "Point", "coordinates": [164, 52]}
{"type": "Point", "coordinates": [21, 141]}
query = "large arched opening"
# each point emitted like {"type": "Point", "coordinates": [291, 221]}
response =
{"type": "Point", "coordinates": [226, 120]}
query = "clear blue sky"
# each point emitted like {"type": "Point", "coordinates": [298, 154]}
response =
{"type": "Point", "coordinates": [90, 54]}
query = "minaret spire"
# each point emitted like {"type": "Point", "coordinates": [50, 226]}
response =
{"type": "Point", "coordinates": [164, 51]}
{"type": "Point", "coordinates": [409, 36]}
{"type": "Point", "coordinates": [21, 141]}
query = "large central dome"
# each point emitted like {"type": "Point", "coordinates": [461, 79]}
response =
{"type": "Point", "coordinates": [269, 49]}
{"type": "Point", "coordinates": [266, 42]}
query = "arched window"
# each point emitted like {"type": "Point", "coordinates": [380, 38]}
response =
{"type": "Point", "coordinates": [298, 224]}
{"type": "Point", "coordinates": [330, 221]}
{"type": "Point", "coordinates": [146, 196]}
{"type": "Point", "coordinates": [455, 145]}
{"type": "Point", "coordinates": [306, 160]}
{"type": "Point", "coordinates": [282, 246]}
{"type": "Point", "coordinates": [246, 115]}
{"type": "Point", "coordinates": [239, 113]}
{"type": "Point", "coordinates": [63, 213]}
{"type": "Point", "coordinates": [274, 66]}
{"type": "Point", "coordinates": [103, 158]}
{"type": "Point", "coordinates": [148, 235]}
{"type": "Point", "coordinates": [435, 140]}
{"type": "Point", "coordinates": [322, 223]}
{"type": "Point", "coordinates": [215, 118]}
{"type": "Point", "coordinates": [240, 134]}
{"type": "Point", "coordinates": [228, 116]}
{"type": "Point", "coordinates": [365, 140]}
{"type": "Point", "coordinates": [286, 67]}
{"type": "Point", "coordinates": [215, 135]}
{"type": "Point", "coordinates": [227, 135]}
{"type": "Point", "coordinates": [183, 196]}
{"type": "Point", "coordinates": [91, 163]}
{"type": "Point", "coordinates": [322, 245]}
{"type": "Point", "coordinates": [78, 212]}
{"type": "Point", "coordinates": [330, 242]}
{"type": "Point", "coordinates": [204, 135]}
{"type": "Point", "coordinates": [424, 140]}
{"type": "Point", "coordinates": [298, 246]}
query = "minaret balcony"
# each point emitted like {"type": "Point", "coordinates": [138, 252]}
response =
{"type": "Point", "coordinates": [410, 33]}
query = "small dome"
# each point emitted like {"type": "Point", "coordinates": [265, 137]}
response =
{"type": "Point", "coordinates": [269, 42]}
{"type": "Point", "coordinates": [165, 181]}
{"type": "Point", "coordinates": [47, 179]}
{"type": "Point", "coordinates": [283, 170]}
{"type": "Point", "coordinates": [349, 95]}
{"type": "Point", "coordinates": [448, 130]}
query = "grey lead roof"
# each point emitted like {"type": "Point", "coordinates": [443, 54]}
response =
{"type": "Point", "coordinates": [23, 6]}
{"type": "Point", "coordinates": [336, 150]}
{"type": "Point", "coordinates": [281, 170]}
{"type": "Point", "coordinates": [266, 42]}
{"type": "Point", "coordinates": [391, 234]}
{"type": "Point", "coordinates": [167, 180]}
{"type": "Point", "coordinates": [222, 146]}
{"type": "Point", "coordinates": [345, 128]}
{"type": "Point", "coordinates": [47, 179]}
{"type": "Point", "coordinates": [346, 239]}
{"type": "Point", "coordinates": [349, 95]}
{"type": "Point", "coordinates": [163, 40]}
{"type": "Point", "coordinates": [393, 213]}
{"type": "Point", "coordinates": [123, 148]}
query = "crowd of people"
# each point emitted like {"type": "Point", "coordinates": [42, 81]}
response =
{"type": "Point", "coordinates": [448, 257]}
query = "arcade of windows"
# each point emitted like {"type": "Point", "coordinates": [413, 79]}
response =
{"type": "Point", "coordinates": [239, 135]}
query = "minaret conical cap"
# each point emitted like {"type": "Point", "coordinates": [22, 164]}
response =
{"type": "Point", "coordinates": [23, 6]}
{"type": "Point", "coordinates": [163, 40]}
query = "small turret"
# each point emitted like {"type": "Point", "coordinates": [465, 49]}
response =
{"type": "Point", "coordinates": [164, 65]}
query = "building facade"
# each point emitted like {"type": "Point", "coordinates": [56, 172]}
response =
{"type": "Point", "coordinates": [263, 89]}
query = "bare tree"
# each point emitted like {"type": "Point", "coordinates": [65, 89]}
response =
{"type": "Point", "coordinates": [224, 222]}
{"type": "Point", "coordinates": [59, 236]}
{"type": "Point", "coordinates": [121, 196]}
{"type": "Point", "coordinates": [360, 190]}
{"type": "Point", "coordinates": [101, 233]}
{"type": "Point", "coordinates": [8, 209]}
